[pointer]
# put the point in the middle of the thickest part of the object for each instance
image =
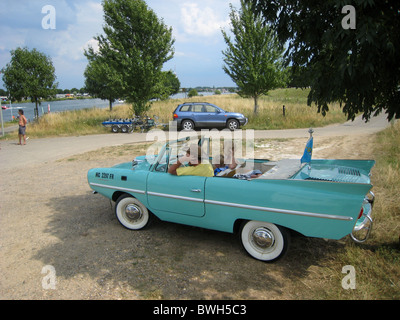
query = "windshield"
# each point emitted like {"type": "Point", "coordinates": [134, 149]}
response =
{"type": "Point", "coordinates": [175, 149]}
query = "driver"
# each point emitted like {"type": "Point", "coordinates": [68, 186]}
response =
{"type": "Point", "coordinates": [195, 168]}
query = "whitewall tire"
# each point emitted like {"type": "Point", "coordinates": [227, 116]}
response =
{"type": "Point", "coordinates": [131, 213]}
{"type": "Point", "coordinates": [264, 241]}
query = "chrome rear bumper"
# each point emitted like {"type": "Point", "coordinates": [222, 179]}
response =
{"type": "Point", "coordinates": [365, 222]}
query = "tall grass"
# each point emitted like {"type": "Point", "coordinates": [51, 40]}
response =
{"type": "Point", "coordinates": [376, 262]}
{"type": "Point", "coordinates": [270, 115]}
{"type": "Point", "coordinates": [386, 180]}
{"type": "Point", "coordinates": [76, 122]}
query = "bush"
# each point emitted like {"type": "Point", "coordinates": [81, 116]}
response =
{"type": "Point", "coordinates": [193, 93]}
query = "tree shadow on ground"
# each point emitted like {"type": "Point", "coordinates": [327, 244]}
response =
{"type": "Point", "coordinates": [167, 260]}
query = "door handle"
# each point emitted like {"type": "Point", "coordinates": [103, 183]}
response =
{"type": "Point", "coordinates": [195, 190]}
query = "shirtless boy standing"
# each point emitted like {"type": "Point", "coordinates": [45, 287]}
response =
{"type": "Point", "coordinates": [22, 126]}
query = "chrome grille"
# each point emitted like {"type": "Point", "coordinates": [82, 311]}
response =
{"type": "Point", "coordinates": [336, 174]}
{"type": "Point", "coordinates": [349, 171]}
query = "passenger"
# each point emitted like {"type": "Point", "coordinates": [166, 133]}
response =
{"type": "Point", "coordinates": [230, 158]}
{"type": "Point", "coordinates": [220, 166]}
{"type": "Point", "coordinates": [226, 166]}
{"type": "Point", "coordinates": [195, 168]}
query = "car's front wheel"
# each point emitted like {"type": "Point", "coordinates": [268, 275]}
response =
{"type": "Point", "coordinates": [187, 125]}
{"type": "Point", "coordinates": [131, 213]}
{"type": "Point", "coordinates": [264, 241]}
{"type": "Point", "coordinates": [232, 124]}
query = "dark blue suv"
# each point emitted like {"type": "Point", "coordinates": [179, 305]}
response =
{"type": "Point", "coordinates": [191, 115]}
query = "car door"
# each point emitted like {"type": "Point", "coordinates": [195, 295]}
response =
{"type": "Point", "coordinates": [175, 194]}
{"type": "Point", "coordinates": [198, 115]}
{"type": "Point", "coordinates": [213, 117]}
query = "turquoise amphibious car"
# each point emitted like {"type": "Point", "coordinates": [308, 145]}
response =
{"type": "Point", "coordinates": [319, 198]}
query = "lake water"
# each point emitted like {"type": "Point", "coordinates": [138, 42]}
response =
{"type": "Point", "coordinates": [55, 106]}
{"type": "Point", "coordinates": [64, 105]}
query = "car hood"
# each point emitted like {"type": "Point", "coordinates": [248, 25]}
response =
{"type": "Point", "coordinates": [235, 114]}
{"type": "Point", "coordinates": [139, 163]}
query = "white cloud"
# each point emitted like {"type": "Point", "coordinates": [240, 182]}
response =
{"type": "Point", "coordinates": [92, 43]}
{"type": "Point", "coordinates": [70, 43]}
{"type": "Point", "coordinates": [203, 21]}
{"type": "Point", "coordinates": [196, 28]}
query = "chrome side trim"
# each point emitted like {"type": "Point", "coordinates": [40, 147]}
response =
{"type": "Point", "coordinates": [293, 212]}
{"type": "Point", "coordinates": [172, 196]}
{"type": "Point", "coordinates": [117, 188]}
{"type": "Point", "coordinates": [229, 204]}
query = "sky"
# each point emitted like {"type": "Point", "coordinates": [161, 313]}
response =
{"type": "Point", "coordinates": [64, 33]}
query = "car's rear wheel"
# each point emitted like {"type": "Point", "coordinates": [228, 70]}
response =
{"type": "Point", "coordinates": [131, 213]}
{"type": "Point", "coordinates": [187, 125]}
{"type": "Point", "coordinates": [232, 124]}
{"type": "Point", "coordinates": [264, 241]}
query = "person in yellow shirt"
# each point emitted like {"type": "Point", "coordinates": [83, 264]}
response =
{"type": "Point", "coordinates": [195, 168]}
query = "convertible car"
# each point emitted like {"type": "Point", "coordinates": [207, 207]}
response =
{"type": "Point", "coordinates": [328, 199]}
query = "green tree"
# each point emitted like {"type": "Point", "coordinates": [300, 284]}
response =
{"type": "Point", "coordinates": [136, 44]}
{"type": "Point", "coordinates": [172, 82]}
{"type": "Point", "coordinates": [29, 74]}
{"type": "Point", "coordinates": [357, 66]}
{"type": "Point", "coordinates": [169, 85]}
{"type": "Point", "coordinates": [296, 77]}
{"type": "Point", "coordinates": [253, 58]}
{"type": "Point", "coordinates": [101, 79]}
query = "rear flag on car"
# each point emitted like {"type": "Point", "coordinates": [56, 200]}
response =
{"type": "Point", "coordinates": [306, 158]}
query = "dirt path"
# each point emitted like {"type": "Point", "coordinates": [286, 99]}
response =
{"type": "Point", "coordinates": [50, 219]}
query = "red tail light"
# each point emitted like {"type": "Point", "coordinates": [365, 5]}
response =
{"type": "Point", "coordinates": [361, 213]}
{"type": "Point", "coordinates": [175, 116]}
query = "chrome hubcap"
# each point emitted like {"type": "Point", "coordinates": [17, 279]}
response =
{"type": "Point", "coordinates": [263, 238]}
{"type": "Point", "coordinates": [133, 212]}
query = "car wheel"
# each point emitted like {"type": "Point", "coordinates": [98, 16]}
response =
{"type": "Point", "coordinates": [264, 241]}
{"type": "Point", "coordinates": [114, 129]}
{"type": "Point", "coordinates": [131, 213]}
{"type": "Point", "coordinates": [187, 125]}
{"type": "Point", "coordinates": [232, 124]}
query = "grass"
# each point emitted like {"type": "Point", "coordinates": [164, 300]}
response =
{"type": "Point", "coordinates": [376, 262]}
{"type": "Point", "coordinates": [77, 122]}
{"type": "Point", "coordinates": [270, 116]}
